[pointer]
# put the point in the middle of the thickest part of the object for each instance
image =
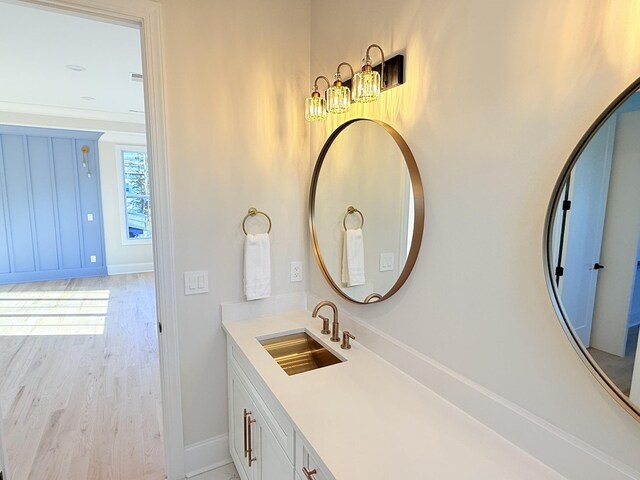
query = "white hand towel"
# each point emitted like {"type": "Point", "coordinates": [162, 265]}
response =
{"type": "Point", "coordinates": [353, 258]}
{"type": "Point", "coordinates": [257, 266]}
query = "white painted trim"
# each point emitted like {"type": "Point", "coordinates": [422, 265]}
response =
{"type": "Point", "coordinates": [68, 112]}
{"type": "Point", "coordinates": [124, 138]}
{"type": "Point", "coordinates": [207, 455]}
{"type": "Point", "coordinates": [231, 312]}
{"type": "Point", "coordinates": [3, 452]}
{"type": "Point", "coordinates": [558, 449]}
{"type": "Point", "coordinates": [129, 268]}
{"type": "Point", "coordinates": [147, 15]}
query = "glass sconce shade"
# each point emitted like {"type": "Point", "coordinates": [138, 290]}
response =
{"type": "Point", "coordinates": [315, 108]}
{"type": "Point", "coordinates": [366, 85]}
{"type": "Point", "coordinates": [338, 97]}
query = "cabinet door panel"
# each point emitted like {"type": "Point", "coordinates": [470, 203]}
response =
{"type": "Point", "coordinates": [239, 402]}
{"type": "Point", "coordinates": [272, 461]}
{"type": "Point", "coordinates": [308, 461]}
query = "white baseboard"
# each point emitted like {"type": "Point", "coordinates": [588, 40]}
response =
{"type": "Point", "coordinates": [129, 268]}
{"type": "Point", "coordinates": [565, 453]}
{"type": "Point", "coordinates": [259, 308]}
{"type": "Point", "coordinates": [206, 455]}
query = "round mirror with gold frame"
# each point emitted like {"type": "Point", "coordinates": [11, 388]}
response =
{"type": "Point", "coordinates": [366, 211]}
{"type": "Point", "coordinates": [592, 249]}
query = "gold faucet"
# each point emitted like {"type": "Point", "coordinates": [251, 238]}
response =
{"type": "Point", "coordinates": [335, 330]}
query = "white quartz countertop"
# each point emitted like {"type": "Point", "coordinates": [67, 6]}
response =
{"type": "Point", "coordinates": [367, 420]}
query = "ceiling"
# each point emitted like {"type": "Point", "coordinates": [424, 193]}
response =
{"type": "Point", "coordinates": [37, 45]}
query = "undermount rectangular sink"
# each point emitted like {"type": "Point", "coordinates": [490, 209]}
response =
{"type": "Point", "coordinates": [298, 352]}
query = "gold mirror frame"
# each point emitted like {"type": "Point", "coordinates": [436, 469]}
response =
{"type": "Point", "coordinates": [418, 216]}
{"type": "Point", "coordinates": [581, 350]}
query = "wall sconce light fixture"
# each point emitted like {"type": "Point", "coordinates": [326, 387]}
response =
{"type": "Point", "coordinates": [315, 108]}
{"type": "Point", "coordinates": [366, 83]}
{"type": "Point", "coordinates": [363, 87]}
{"type": "Point", "coordinates": [85, 159]}
{"type": "Point", "coordinates": [339, 95]}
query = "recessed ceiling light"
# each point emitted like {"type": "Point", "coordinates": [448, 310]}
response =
{"type": "Point", "coordinates": [76, 68]}
{"type": "Point", "coordinates": [88, 99]}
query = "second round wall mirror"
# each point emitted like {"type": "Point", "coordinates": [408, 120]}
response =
{"type": "Point", "coordinates": [593, 248]}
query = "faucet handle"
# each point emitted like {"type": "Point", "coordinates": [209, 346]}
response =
{"type": "Point", "coordinates": [325, 325]}
{"type": "Point", "coordinates": [345, 340]}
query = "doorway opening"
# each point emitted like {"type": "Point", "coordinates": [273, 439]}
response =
{"type": "Point", "coordinates": [79, 359]}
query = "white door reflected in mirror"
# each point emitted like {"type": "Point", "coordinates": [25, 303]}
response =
{"type": "Point", "coordinates": [594, 248]}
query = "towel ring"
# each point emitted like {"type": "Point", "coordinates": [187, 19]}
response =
{"type": "Point", "coordinates": [350, 210]}
{"type": "Point", "coordinates": [373, 296]}
{"type": "Point", "coordinates": [252, 213]}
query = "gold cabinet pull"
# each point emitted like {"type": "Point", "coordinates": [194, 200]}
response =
{"type": "Point", "coordinates": [309, 474]}
{"type": "Point", "coordinates": [246, 450]}
{"type": "Point", "coordinates": [250, 453]}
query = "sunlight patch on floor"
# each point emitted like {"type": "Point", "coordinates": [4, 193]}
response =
{"type": "Point", "coordinates": [27, 313]}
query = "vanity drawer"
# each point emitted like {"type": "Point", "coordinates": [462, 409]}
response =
{"type": "Point", "coordinates": [307, 460]}
{"type": "Point", "coordinates": [274, 415]}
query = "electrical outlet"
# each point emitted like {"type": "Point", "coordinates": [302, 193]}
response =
{"type": "Point", "coordinates": [386, 262]}
{"type": "Point", "coordinates": [296, 271]}
{"type": "Point", "coordinates": [93, 259]}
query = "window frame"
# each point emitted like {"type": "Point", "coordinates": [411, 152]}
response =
{"type": "Point", "coordinates": [122, 197]}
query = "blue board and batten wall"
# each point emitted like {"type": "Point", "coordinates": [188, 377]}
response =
{"type": "Point", "coordinates": [47, 200]}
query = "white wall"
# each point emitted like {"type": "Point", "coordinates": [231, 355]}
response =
{"type": "Point", "coordinates": [122, 257]}
{"type": "Point", "coordinates": [497, 95]}
{"type": "Point", "coordinates": [236, 76]}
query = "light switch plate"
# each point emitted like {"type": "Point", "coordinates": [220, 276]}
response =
{"type": "Point", "coordinates": [296, 271]}
{"type": "Point", "coordinates": [196, 282]}
{"type": "Point", "coordinates": [386, 262]}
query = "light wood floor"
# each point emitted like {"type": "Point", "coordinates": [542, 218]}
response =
{"type": "Point", "coordinates": [79, 379]}
{"type": "Point", "coordinates": [619, 369]}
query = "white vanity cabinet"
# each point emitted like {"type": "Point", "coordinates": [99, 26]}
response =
{"type": "Point", "coordinates": [322, 419]}
{"type": "Point", "coordinates": [263, 441]}
{"type": "Point", "coordinates": [262, 438]}
{"type": "Point", "coordinates": [254, 447]}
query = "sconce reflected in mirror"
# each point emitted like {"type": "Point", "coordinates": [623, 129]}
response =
{"type": "Point", "coordinates": [363, 86]}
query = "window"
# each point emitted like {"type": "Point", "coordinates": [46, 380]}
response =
{"type": "Point", "coordinates": [135, 173]}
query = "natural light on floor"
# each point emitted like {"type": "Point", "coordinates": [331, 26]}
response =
{"type": "Point", "coordinates": [80, 312]}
